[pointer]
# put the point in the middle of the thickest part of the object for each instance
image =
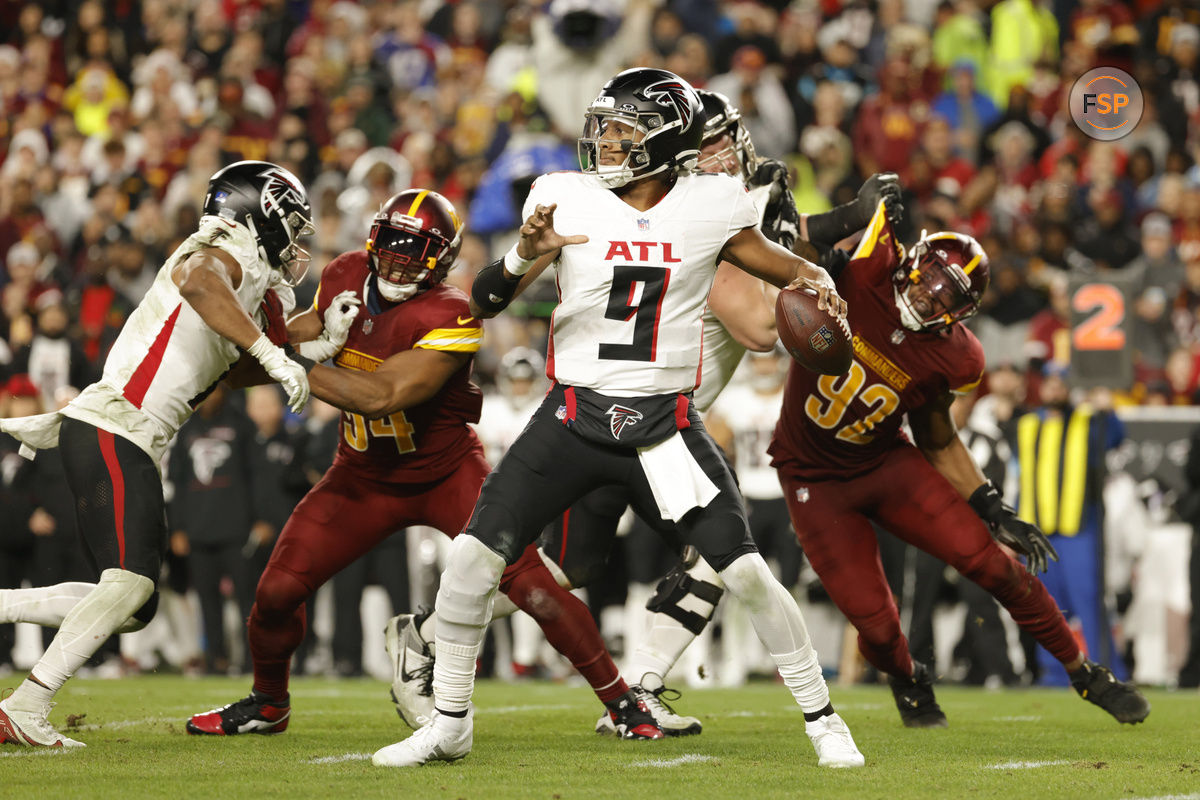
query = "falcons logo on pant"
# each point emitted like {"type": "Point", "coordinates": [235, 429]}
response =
{"type": "Point", "coordinates": [619, 417]}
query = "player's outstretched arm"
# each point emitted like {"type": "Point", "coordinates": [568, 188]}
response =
{"type": "Point", "coordinates": [499, 282]}
{"type": "Point", "coordinates": [751, 252]}
{"type": "Point", "coordinates": [745, 306]}
{"type": "Point", "coordinates": [935, 434]}
{"type": "Point", "coordinates": [405, 380]}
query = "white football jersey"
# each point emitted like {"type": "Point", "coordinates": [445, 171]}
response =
{"type": "Point", "coordinates": [752, 417]}
{"type": "Point", "coordinates": [722, 353]}
{"type": "Point", "coordinates": [166, 359]}
{"type": "Point", "coordinates": [631, 299]}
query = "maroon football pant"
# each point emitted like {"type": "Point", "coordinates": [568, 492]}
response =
{"type": "Point", "coordinates": [909, 498]}
{"type": "Point", "coordinates": [346, 515]}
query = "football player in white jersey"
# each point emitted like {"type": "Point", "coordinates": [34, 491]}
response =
{"type": "Point", "coordinates": [202, 313]}
{"type": "Point", "coordinates": [739, 316]}
{"type": "Point", "coordinates": [634, 273]}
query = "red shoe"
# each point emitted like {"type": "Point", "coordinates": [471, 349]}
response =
{"type": "Point", "coordinates": [253, 714]}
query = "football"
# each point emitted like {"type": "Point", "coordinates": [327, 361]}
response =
{"type": "Point", "coordinates": [815, 338]}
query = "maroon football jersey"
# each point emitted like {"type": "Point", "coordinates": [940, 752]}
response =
{"type": "Point", "coordinates": [839, 426]}
{"type": "Point", "coordinates": [425, 442]}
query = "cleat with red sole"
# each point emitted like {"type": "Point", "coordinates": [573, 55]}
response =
{"type": "Point", "coordinates": [253, 714]}
{"type": "Point", "coordinates": [631, 719]}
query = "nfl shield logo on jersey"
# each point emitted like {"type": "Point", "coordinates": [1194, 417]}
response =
{"type": "Point", "coordinates": [643, 224]}
{"type": "Point", "coordinates": [821, 340]}
{"type": "Point", "coordinates": [368, 325]}
{"type": "Point", "coordinates": [619, 417]}
{"type": "Point", "coordinates": [802, 494]}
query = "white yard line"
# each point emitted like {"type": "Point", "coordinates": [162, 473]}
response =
{"type": "Point", "coordinates": [1017, 719]}
{"type": "Point", "coordinates": [1026, 764]}
{"type": "Point", "coordinates": [33, 752]}
{"type": "Point", "coordinates": [339, 759]}
{"type": "Point", "coordinates": [689, 758]}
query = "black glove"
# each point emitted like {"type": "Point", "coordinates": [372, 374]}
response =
{"type": "Point", "coordinates": [830, 227]}
{"type": "Point", "coordinates": [781, 220]}
{"type": "Point", "coordinates": [883, 186]}
{"type": "Point", "coordinates": [1008, 529]}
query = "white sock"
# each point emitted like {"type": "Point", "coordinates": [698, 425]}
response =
{"type": "Point", "coordinates": [89, 624]}
{"type": "Point", "coordinates": [527, 639]}
{"type": "Point", "coordinates": [501, 607]}
{"type": "Point", "coordinates": [42, 605]}
{"type": "Point", "coordinates": [464, 603]}
{"type": "Point", "coordinates": [780, 627]}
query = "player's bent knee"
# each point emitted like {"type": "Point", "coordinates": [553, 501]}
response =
{"type": "Point", "coordinates": [142, 617]}
{"type": "Point", "coordinates": [469, 582]}
{"type": "Point", "coordinates": [279, 594]}
{"type": "Point", "coordinates": [749, 579]}
{"type": "Point", "coordinates": [688, 596]}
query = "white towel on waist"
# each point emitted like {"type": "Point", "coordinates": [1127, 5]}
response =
{"type": "Point", "coordinates": [38, 432]}
{"type": "Point", "coordinates": [678, 482]}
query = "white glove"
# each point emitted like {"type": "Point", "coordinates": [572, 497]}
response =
{"type": "Point", "coordinates": [290, 374]}
{"type": "Point", "coordinates": [339, 317]}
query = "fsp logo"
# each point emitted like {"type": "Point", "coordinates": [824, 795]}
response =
{"type": "Point", "coordinates": [1106, 103]}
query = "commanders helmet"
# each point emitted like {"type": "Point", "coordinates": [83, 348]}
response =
{"type": "Point", "coordinates": [941, 281]}
{"type": "Point", "coordinates": [415, 237]}
{"type": "Point", "coordinates": [660, 106]}
{"type": "Point", "coordinates": [723, 119]}
{"type": "Point", "coordinates": [272, 203]}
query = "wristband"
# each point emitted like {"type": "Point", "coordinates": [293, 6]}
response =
{"type": "Point", "coordinates": [515, 264]}
{"type": "Point", "coordinates": [294, 355]}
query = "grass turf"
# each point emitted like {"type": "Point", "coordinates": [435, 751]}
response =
{"type": "Point", "coordinates": [535, 740]}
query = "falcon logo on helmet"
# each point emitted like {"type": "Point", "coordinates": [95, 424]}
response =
{"type": "Point", "coordinates": [272, 203]}
{"type": "Point", "coordinates": [415, 238]}
{"type": "Point", "coordinates": [674, 93]}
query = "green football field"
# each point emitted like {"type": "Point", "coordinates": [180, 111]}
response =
{"type": "Point", "coordinates": [535, 740]}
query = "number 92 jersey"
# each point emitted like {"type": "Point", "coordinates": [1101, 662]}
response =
{"type": "Point", "coordinates": [631, 299]}
{"type": "Point", "coordinates": [840, 426]}
{"type": "Point", "coordinates": [428, 441]}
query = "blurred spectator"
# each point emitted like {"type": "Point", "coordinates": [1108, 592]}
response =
{"type": "Point", "coordinates": [1023, 33]}
{"type": "Point", "coordinates": [51, 359]}
{"type": "Point", "coordinates": [213, 515]}
{"type": "Point", "coordinates": [889, 123]}
{"type": "Point", "coordinates": [968, 111]}
{"type": "Point", "coordinates": [1105, 237]}
{"type": "Point", "coordinates": [19, 397]}
{"type": "Point", "coordinates": [1189, 511]}
{"type": "Point", "coordinates": [757, 92]}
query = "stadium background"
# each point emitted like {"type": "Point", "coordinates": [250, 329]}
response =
{"type": "Point", "coordinates": [115, 114]}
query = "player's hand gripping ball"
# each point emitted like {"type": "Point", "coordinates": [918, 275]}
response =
{"type": "Point", "coordinates": [815, 338]}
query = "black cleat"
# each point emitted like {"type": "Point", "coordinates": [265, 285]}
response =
{"type": "Point", "coordinates": [1096, 684]}
{"type": "Point", "coordinates": [630, 719]}
{"type": "Point", "coordinates": [253, 714]}
{"type": "Point", "coordinates": [914, 698]}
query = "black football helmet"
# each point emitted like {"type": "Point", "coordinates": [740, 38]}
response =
{"type": "Point", "coordinates": [660, 106]}
{"type": "Point", "coordinates": [415, 238]}
{"type": "Point", "coordinates": [273, 204]}
{"type": "Point", "coordinates": [941, 281]}
{"type": "Point", "coordinates": [723, 119]}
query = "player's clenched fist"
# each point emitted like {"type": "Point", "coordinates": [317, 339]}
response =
{"type": "Point", "coordinates": [339, 318]}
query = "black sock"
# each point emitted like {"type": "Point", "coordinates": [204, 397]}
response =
{"type": "Point", "coordinates": [624, 701]}
{"type": "Point", "coordinates": [456, 714]}
{"type": "Point", "coordinates": [1081, 675]}
{"type": "Point", "coordinates": [813, 716]}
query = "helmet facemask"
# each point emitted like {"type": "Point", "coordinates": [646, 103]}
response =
{"type": "Point", "coordinates": [406, 259]}
{"type": "Point", "coordinates": [933, 292]}
{"type": "Point", "coordinates": [737, 156]}
{"type": "Point", "coordinates": [630, 132]}
{"type": "Point", "coordinates": [292, 260]}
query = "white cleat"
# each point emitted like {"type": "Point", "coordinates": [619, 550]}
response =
{"type": "Point", "coordinates": [652, 692]}
{"type": "Point", "coordinates": [442, 739]}
{"type": "Point", "coordinates": [412, 669]}
{"type": "Point", "coordinates": [834, 745]}
{"type": "Point", "coordinates": [31, 728]}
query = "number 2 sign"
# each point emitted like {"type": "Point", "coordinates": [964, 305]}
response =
{"type": "Point", "coordinates": [1100, 349]}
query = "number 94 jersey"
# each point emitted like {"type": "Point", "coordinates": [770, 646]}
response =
{"type": "Point", "coordinates": [428, 441]}
{"type": "Point", "coordinates": [632, 298]}
{"type": "Point", "coordinates": [840, 426]}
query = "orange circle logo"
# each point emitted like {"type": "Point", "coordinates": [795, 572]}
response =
{"type": "Point", "coordinates": [1106, 103]}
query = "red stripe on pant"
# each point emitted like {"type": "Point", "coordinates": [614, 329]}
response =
{"type": "Point", "coordinates": [108, 449]}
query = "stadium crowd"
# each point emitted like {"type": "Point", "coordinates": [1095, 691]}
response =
{"type": "Point", "coordinates": [115, 115]}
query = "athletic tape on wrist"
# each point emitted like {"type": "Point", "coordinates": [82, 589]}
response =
{"type": "Point", "coordinates": [515, 264]}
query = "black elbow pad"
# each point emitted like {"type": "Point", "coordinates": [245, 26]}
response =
{"type": "Point", "coordinates": [493, 290]}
